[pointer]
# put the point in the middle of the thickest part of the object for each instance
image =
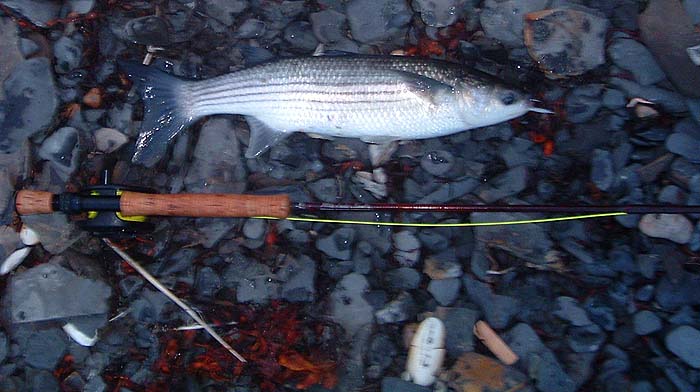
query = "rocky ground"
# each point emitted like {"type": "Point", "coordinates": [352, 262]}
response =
{"type": "Point", "coordinates": [606, 304]}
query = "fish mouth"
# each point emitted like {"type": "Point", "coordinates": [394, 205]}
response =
{"type": "Point", "coordinates": [534, 108]}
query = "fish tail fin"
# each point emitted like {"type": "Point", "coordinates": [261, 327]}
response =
{"type": "Point", "coordinates": [167, 110]}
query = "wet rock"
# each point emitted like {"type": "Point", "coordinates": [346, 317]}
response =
{"type": "Point", "coordinates": [676, 228]}
{"type": "Point", "coordinates": [253, 281]}
{"type": "Point", "coordinates": [459, 329]}
{"type": "Point", "coordinates": [565, 42]}
{"type": "Point", "coordinates": [382, 351]}
{"type": "Point", "coordinates": [684, 341]}
{"type": "Point", "coordinates": [251, 28]}
{"type": "Point", "coordinates": [329, 26]}
{"type": "Point", "coordinates": [299, 279]}
{"type": "Point", "coordinates": [507, 184]}
{"type": "Point", "coordinates": [148, 30]}
{"type": "Point", "coordinates": [439, 13]}
{"type": "Point", "coordinates": [348, 306]}
{"type": "Point", "coordinates": [406, 248]}
{"type": "Point", "coordinates": [602, 170]}
{"type": "Point", "coordinates": [439, 268]}
{"type": "Point", "coordinates": [498, 309]}
{"type": "Point", "coordinates": [10, 46]}
{"type": "Point", "coordinates": [614, 99]}
{"type": "Point", "coordinates": [226, 11]}
{"type": "Point", "coordinates": [583, 103]}
{"type": "Point", "coordinates": [30, 103]}
{"type": "Point", "coordinates": [151, 307]}
{"type": "Point", "coordinates": [445, 291]}
{"type": "Point", "coordinates": [338, 245]}
{"type": "Point", "coordinates": [207, 282]}
{"type": "Point", "coordinates": [668, 42]}
{"type": "Point", "coordinates": [391, 384]}
{"type": "Point", "coordinates": [374, 21]}
{"type": "Point", "coordinates": [570, 311]}
{"type": "Point", "coordinates": [326, 190]}
{"type": "Point", "coordinates": [672, 294]}
{"type": "Point", "coordinates": [217, 166]}
{"type": "Point", "coordinates": [478, 373]}
{"type": "Point", "coordinates": [684, 145]}
{"type": "Point", "coordinates": [400, 309]}
{"type": "Point", "coordinates": [437, 163]}
{"type": "Point", "coordinates": [51, 292]}
{"type": "Point", "coordinates": [43, 349]}
{"type": "Point", "coordinates": [254, 229]}
{"type": "Point", "coordinates": [451, 190]}
{"type": "Point", "coordinates": [67, 53]}
{"type": "Point", "coordinates": [36, 11]}
{"type": "Point", "coordinates": [503, 20]}
{"type": "Point", "coordinates": [403, 278]}
{"type": "Point", "coordinates": [669, 100]}
{"type": "Point", "coordinates": [646, 322]}
{"type": "Point", "coordinates": [62, 150]}
{"type": "Point", "coordinates": [586, 339]}
{"type": "Point", "coordinates": [528, 242]}
{"type": "Point", "coordinates": [542, 365]}
{"type": "Point", "coordinates": [109, 140]}
{"type": "Point", "coordinates": [633, 56]}
{"type": "Point", "coordinates": [300, 35]}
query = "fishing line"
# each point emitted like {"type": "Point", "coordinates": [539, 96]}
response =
{"type": "Point", "coordinates": [462, 224]}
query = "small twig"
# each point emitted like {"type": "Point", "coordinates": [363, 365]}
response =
{"type": "Point", "coordinates": [152, 280]}
{"type": "Point", "coordinates": [198, 326]}
{"type": "Point", "coordinates": [494, 343]}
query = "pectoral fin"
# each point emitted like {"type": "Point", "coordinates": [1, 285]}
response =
{"type": "Point", "coordinates": [427, 88]}
{"type": "Point", "coordinates": [262, 137]}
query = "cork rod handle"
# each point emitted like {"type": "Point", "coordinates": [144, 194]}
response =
{"type": "Point", "coordinates": [34, 202]}
{"type": "Point", "coordinates": [205, 205]}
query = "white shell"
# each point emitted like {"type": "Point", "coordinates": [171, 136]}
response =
{"type": "Point", "coordinates": [79, 336]}
{"type": "Point", "coordinates": [28, 236]}
{"type": "Point", "coordinates": [13, 260]}
{"type": "Point", "coordinates": [427, 352]}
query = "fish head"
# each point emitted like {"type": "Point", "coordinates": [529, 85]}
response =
{"type": "Point", "coordinates": [487, 104]}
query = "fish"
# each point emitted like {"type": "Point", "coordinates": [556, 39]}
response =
{"type": "Point", "coordinates": [378, 99]}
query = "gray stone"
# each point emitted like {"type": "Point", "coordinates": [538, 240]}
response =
{"type": "Point", "coordinates": [684, 341]}
{"type": "Point", "coordinates": [684, 145]}
{"type": "Point", "coordinates": [583, 103]}
{"type": "Point", "coordinates": [438, 162]}
{"type": "Point", "coordinates": [62, 150]}
{"type": "Point", "coordinates": [3, 346]}
{"type": "Point", "coordinates": [406, 248]}
{"type": "Point", "coordinates": [528, 242]}
{"type": "Point", "coordinates": [437, 267]}
{"type": "Point", "coordinates": [498, 309]}
{"type": "Point", "coordinates": [300, 35]}
{"type": "Point", "coordinates": [30, 105]}
{"type": "Point", "coordinates": [451, 190]}
{"type": "Point", "coordinates": [37, 11]}
{"type": "Point", "coordinates": [254, 229]}
{"type": "Point", "coordinates": [669, 100]}
{"type": "Point", "coordinates": [586, 339]}
{"type": "Point", "coordinates": [109, 140]}
{"type": "Point", "coordinates": [253, 281]}
{"type": "Point", "coordinates": [672, 194]}
{"type": "Point", "coordinates": [445, 291]}
{"type": "Point", "coordinates": [439, 13]}
{"type": "Point", "coordinates": [403, 278]}
{"type": "Point", "coordinates": [43, 349]}
{"type": "Point", "coordinates": [51, 292]}
{"type": "Point", "coordinates": [382, 351]}
{"type": "Point", "coordinates": [672, 294]}
{"type": "Point", "coordinates": [226, 11]}
{"type": "Point", "coordinates": [299, 279]}
{"type": "Point", "coordinates": [68, 53]}
{"type": "Point", "coordinates": [646, 322]}
{"type": "Point", "coordinates": [12, 48]}
{"type": "Point", "coordinates": [648, 265]}
{"type": "Point", "coordinates": [329, 26]}
{"type": "Point", "coordinates": [394, 384]}
{"type": "Point", "coordinates": [507, 184]}
{"type": "Point", "coordinates": [400, 309]}
{"type": "Point", "coordinates": [326, 190]}
{"type": "Point", "coordinates": [570, 311]}
{"type": "Point", "coordinates": [338, 245]}
{"type": "Point", "coordinates": [374, 21]}
{"type": "Point", "coordinates": [676, 228]}
{"type": "Point", "coordinates": [348, 306]}
{"type": "Point", "coordinates": [633, 56]}
{"type": "Point", "coordinates": [503, 20]}
{"type": "Point", "coordinates": [459, 329]}
{"type": "Point", "coordinates": [251, 28]}
{"type": "Point", "coordinates": [207, 282]}
{"type": "Point", "coordinates": [614, 99]}
{"type": "Point", "coordinates": [602, 171]}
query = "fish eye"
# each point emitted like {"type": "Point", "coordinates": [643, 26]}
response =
{"type": "Point", "coordinates": [508, 98]}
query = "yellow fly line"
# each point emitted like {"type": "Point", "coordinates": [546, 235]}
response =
{"type": "Point", "coordinates": [464, 224]}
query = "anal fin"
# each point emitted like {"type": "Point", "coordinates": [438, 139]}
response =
{"type": "Point", "coordinates": [262, 137]}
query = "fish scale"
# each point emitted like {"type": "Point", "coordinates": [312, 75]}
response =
{"type": "Point", "coordinates": [375, 98]}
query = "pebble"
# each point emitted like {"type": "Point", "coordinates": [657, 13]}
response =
{"type": "Point", "coordinates": [503, 20]}
{"type": "Point", "coordinates": [684, 341]}
{"type": "Point", "coordinates": [338, 245]}
{"type": "Point", "coordinates": [348, 305]}
{"type": "Point", "coordinates": [527, 242]}
{"type": "Point", "coordinates": [633, 56]}
{"type": "Point", "coordinates": [437, 163]}
{"type": "Point", "coordinates": [445, 291]}
{"type": "Point", "coordinates": [474, 372]}
{"type": "Point", "coordinates": [450, 190]}
{"type": "Point", "coordinates": [226, 11]}
{"type": "Point", "coordinates": [254, 229]}
{"type": "Point", "coordinates": [646, 322]}
{"type": "Point", "coordinates": [329, 26]}
{"type": "Point", "coordinates": [498, 309]}
{"type": "Point", "coordinates": [583, 103]}
{"type": "Point", "coordinates": [37, 11]}
{"type": "Point", "coordinates": [684, 145]}
{"type": "Point", "coordinates": [399, 309]}
{"type": "Point", "coordinates": [439, 13]}
{"type": "Point", "coordinates": [668, 100]}
{"type": "Point", "coordinates": [374, 21]}
{"type": "Point", "coordinates": [299, 279]}
{"type": "Point", "coordinates": [300, 35]}
{"type": "Point", "coordinates": [507, 184]}
{"type": "Point", "coordinates": [327, 190]}
{"type": "Point", "coordinates": [406, 248]}
{"type": "Point", "coordinates": [672, 294]}
{"type": "Point", "coordinates": [392, 384]}
{"type": "Point", "coordinates": [31, 102]}
{"type": "Point", "coordinates": [43, 349]}
{"type": "Point", "coordinates": [207, 282]}
{"type": "Point", "coordinates": [380, 355]}
{"type": "Point", "coordinates": [67, 52]}
{"type": "Point", "coordinates": [438, 268]}
{"type": "Point", "coordinates": [109, 140]}
{"type": "Point", "coordinates": [602, 170]}
{"type": "Point", "coordinates": [565, 42]}
{"type": "Point", "coordinates": [62, 150]}
{"type": "Point", "coordinates": [674, 227]}
{"type": "Point", "coordinates": [570, 311]}
{"type": "Point", "coordinates": [251, 28]}
{"type": "Point", "coordinates": [403, 278]}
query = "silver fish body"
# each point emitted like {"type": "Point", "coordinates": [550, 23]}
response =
{"type": "Point", "coordinates": [376, 98]}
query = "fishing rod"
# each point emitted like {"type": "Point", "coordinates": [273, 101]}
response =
{"type": "Point", "coordinates": [117, 209]}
